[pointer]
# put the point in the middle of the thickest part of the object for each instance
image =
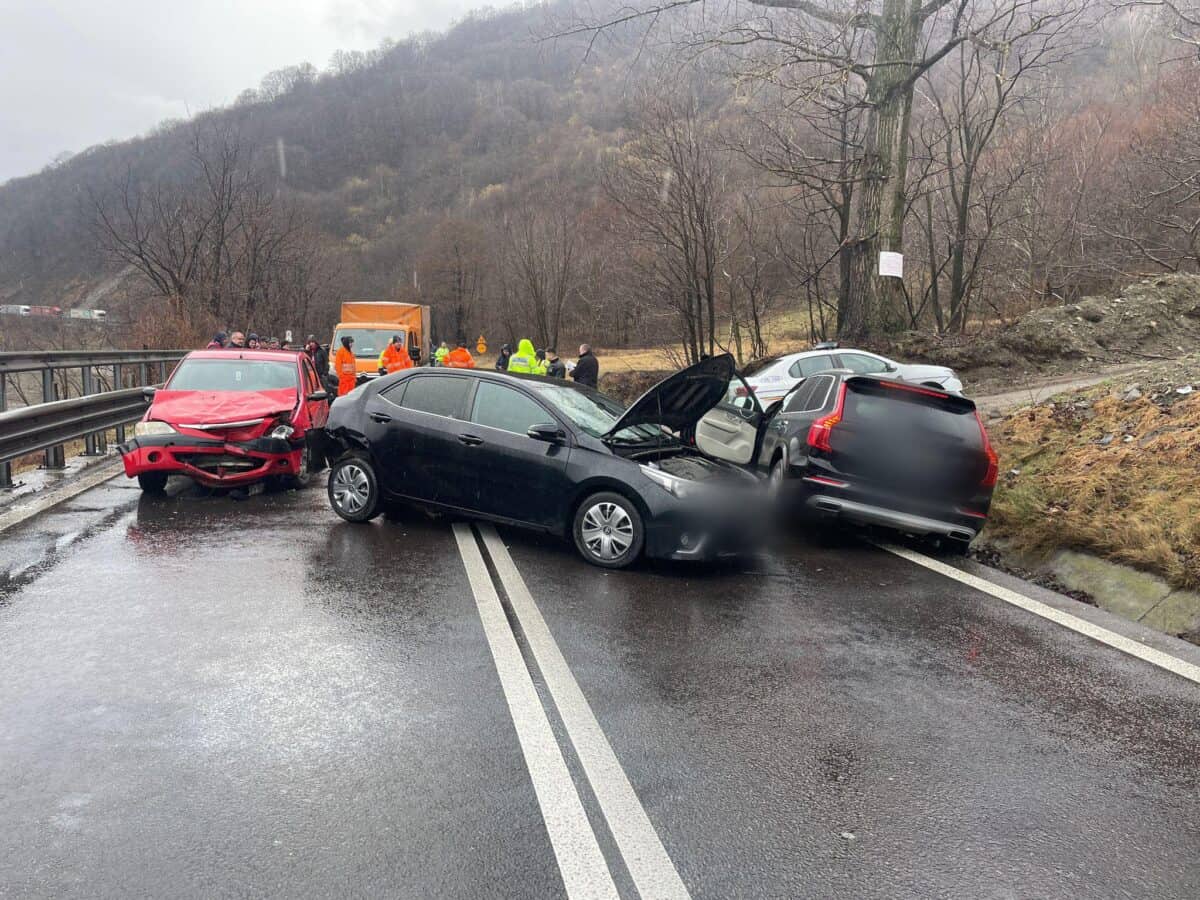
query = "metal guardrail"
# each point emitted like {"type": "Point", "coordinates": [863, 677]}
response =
{"type": "Point", "coordinates": [33, 428]}
{"type": "Point", "coordinates": [65, 421]}
{"type": "Point", "coordinates": [76, 359]}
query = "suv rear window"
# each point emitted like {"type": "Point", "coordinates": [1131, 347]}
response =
{"type": "Point", "coordinates": [901, 409]}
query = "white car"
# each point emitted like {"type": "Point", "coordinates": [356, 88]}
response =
{"type": "Point", "coordinates": [772, 378]}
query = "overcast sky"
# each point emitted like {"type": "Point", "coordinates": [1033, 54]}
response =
{"type": "Point", "coordinates": [74, 73]}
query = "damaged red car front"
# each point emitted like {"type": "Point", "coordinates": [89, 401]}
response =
{"type": "Point", "coordinates": [229, 418]}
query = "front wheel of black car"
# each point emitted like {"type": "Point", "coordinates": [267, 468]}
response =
{"type": "Point", "coordinates": [608, 531]}
{"type": "Point", "coordinates": [354, 489]}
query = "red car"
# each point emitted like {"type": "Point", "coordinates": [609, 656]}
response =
{"type": "Point", "coordinates": [228, 418]}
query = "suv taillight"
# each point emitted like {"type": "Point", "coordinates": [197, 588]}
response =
{"type": "Point", "coordinates": [993, 468]}
{"type": "Point", "coordinates": [820, 430]}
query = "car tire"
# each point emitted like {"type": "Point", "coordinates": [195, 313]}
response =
{"type": "Point", "coordinates": [777, 481]}
{"type": "Point", "coordinates": [153, 482]}
{"type": "Point", "coordinates": [354, 490]}
{"type": "Point", "coordinates": [302, 478]}
{"type": "Point", "coordinates": [608, 531]}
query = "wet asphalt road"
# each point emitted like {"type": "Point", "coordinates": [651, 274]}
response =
{"type": "Point", "coordinates": [201, 698]}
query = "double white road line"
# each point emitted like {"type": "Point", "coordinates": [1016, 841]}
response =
{"type": "Point", "coordinates": [584, 870]}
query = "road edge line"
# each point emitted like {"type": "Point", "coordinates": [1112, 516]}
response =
{"type": "Point", "coordinates": [581, 862]}
{"type": "Point", "coordinates": [652, 871]}
{"type": "Point", "coordinates": [1088, 629]}
{"type": "Point", "coordinates": [48, 499]}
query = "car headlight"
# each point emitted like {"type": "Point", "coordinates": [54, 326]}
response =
{"type": "Point", "coordinates": [283, 432]}
{"type": "Point", "coordinates": [151, 428]}
{"type": "Point", "coordinates": [672, 484]}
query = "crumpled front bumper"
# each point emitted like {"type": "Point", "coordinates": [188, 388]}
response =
{"type": "Point", "coordinates": [214, 463]}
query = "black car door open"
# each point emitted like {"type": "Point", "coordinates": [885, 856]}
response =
{"type": "Point", "coordinates": [516, 476]}
{"type": "Point", "coordinates": [414, 429]}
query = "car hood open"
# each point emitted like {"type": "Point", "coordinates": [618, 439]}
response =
{"type": "Point", "coordinates": [215, 407]}
{"type": "Point", "coordinates": [680, 400]}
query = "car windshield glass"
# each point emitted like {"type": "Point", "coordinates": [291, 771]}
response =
{"type": "Point", "coordinates": [233, 375]}
{"type": "Point", "coordinates": [593, 413]}
{"type": "Point", "coordinates": [368, 342]}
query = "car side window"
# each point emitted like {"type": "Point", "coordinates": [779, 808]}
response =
{"type": "Point", "coordinates": [811, 365]}
{"type": "Point", "coordinates": [797, 401]}
{"type": "Point", "coordinates": [311, 381]}
{"type": "Point", "coordinates": [497, 406]}
{"type": "Point", "coordinates": [820, 395]}
{"type": "Point", "coordinates": [862, 364]}
{"type": "Point", "coordinates": [438, 395]}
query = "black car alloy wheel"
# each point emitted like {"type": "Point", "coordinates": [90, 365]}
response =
{"type": "Point", "coordinates": [354, 489]}
{"type": "Point", "coordinates": [608, 531]}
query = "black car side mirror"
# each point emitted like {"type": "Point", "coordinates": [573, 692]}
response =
{"type": "Point", "coordinates": [551, 434]}
{"type": "Point", "coordinates": [149, 392]}
{"type": "Point", "coordinates": [318, 396]}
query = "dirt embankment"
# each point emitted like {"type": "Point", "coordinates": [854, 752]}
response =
{"type": "Point", "coordinates": [1113, 470]}
{"type": "Point", "coordinates": [1155, 318]}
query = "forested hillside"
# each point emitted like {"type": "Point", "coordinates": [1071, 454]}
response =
{"type": "Point", "coordinates": [680, 178]}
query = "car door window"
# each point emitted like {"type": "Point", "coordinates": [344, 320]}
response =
{"type": "Point", "coordinates": [497, 406]}
{"type": "Point", "coordinates": [797, 400]}
{"type": "Point", "coordinates": [862, 364]}
{"type": "Point", "coordinates": [312, 384]}
{"type": "Point", "coordinates": [820, 393]}
{"type": "Point", "coordinates": [439, 395]}
{"type": "Point", "coordinates": [811, 365]}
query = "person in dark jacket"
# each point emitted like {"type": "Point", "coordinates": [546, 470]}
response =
{"type": "Point", "coordinates": [555, 367]}
{"type": "Point", "coordinates": [502, 359]}
{"type": "Point", "coordinates": [220, 339]}
{"type": "Point", "coordinates": [318, 354]}
{"type": "Point", "coordinates": [587, 370]}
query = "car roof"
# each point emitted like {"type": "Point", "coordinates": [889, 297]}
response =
{"type": "Point", "coordinates": [255, 355]}
{"type": "Point", "coordinates": [491, 375]}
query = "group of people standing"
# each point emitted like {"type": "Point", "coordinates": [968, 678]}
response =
{"type": "Point", "coordinates": [546, 362]}
{"type": "Point", "coordinates": [240, 341]}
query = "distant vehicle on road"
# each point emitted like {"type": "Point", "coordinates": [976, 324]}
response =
{"type": "Point", "coordinates": [228, 418]}
{"type": "Point", "coordinates": [15, 310]}
{"type": "Point", "coordinates": [545, 454]}
{"type": "Point", "coordinates": [773, 377]}
{"type": "Point", "coordinates": [50, 312]}
{"type": "Point", "coordinates": [869, 449]}
{"type": "Point", "coordinates": [97, 315]}
{"type": "Point", "coordinates": [372, 324]}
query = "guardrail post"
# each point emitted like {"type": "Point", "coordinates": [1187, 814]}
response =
{"type": "Point", "coordinates": [162, 371]}
{"type": "Point", "coordinates": [55, 457]}
{"type": "Point", "coordinates": [119, 384]}
{"type": "Point", "coordinates": [90, 444]}
{"type": "Point", "coordinates": [143, 375]}
{"type": "Point", "coordinates": [5, 468]}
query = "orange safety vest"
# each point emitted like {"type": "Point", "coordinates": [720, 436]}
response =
{"type": "Point", "coordinates": [459, 358]}
{"type": "Point", "coordinates": [346, 367]}
{"type": "Point", "coordinates": [395, 358]}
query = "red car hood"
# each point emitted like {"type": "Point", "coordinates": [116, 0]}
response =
{"type": "Point", "coordinates": [215, 407]}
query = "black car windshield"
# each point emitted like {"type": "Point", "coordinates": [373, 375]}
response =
{"type": "Point", "coordinates": [233, 375]}
{"type": "Point", "coordinates": [594, 413]}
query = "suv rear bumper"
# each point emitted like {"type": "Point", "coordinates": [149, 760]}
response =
{"type": "Point", "coordinates": [867, 514]}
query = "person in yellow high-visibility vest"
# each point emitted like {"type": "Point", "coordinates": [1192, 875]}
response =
{"type": "Point", "coordinates": [525, 359]}
{"type": "Point", "coordinates": [346, 366]}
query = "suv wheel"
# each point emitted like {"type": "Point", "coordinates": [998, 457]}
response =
{"type": "Point", "coordinates": [608, 531]}
{"type": "Point", "coordinates": [354, 490]}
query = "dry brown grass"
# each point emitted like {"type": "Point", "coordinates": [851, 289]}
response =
{"type": "Point", "coordinates": [1132, 501]}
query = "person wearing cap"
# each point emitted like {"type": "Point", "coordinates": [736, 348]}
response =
{"type": "Point", "coordinates": [273, 343]}
{"type": "Point", "coordinates": [394, 356]}
{"type": "Point", "coordinates": [503, 358]}
{"type": "Point", "coordinates": [218, 341]}
{"type": "Point", "coordinates": [346, 366]}
{"type": "Point", "coordinates": [252, 342]}
{"type": "Point", "coordinates": [555, 367]}
{"type": "Point", "coordinates": [439, 356]}
{"type": "Point", "coordinates": [318, 355]}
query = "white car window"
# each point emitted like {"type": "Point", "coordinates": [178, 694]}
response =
{"type": "Point", "coordinates": [811, 365]}
{"type": "Point", "coordinates": [862, 364]}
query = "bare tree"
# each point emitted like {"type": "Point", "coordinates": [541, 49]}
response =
{"type": "Point", "coordinates": [539, 259]}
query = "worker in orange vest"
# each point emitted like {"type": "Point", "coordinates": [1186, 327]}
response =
{"type": "Point", "coordinates": [394, 356]}
{"type": "Point", "coordinates": [346, 366]}
{"type": "Point", "coordinates": [459, 358]}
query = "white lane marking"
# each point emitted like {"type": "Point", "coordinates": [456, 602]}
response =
{"type": "Point", "coordinates": [651, 869]}
{"type": "Point", "coordinates": [44, 500]}
{"type": "Point", "coordinates": [1082, 626]}
{"type": "Point", "coordinates": [580, 860]}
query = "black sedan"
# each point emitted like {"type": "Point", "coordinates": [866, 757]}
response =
{"type": "Point", "coordinates": [545, 454]}
{"type": "Point", "coordinates": [876, 451]}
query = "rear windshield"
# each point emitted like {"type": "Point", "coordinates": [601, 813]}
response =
{"type": "Point", "coordinates": [898, 410]}
{"type": "Point", "coordinates": [368, 342]}
{"type": "Point", "coordinates": [233, 375]}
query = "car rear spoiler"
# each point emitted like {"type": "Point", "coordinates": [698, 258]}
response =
{"type": "Point", "coordinates": [877, 386]}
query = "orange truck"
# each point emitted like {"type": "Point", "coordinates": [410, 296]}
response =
{"type": "Point", "coordinates": [372, 323]}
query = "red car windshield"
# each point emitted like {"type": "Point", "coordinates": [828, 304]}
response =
{"type": "Point", "coordinates": [234, 375]}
